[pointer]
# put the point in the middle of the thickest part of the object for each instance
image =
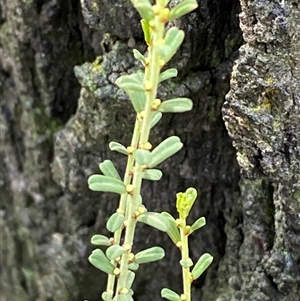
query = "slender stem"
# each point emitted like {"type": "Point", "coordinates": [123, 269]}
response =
{"type": "Point", "coordinates": [151, 76]}
{"type": "Point", "coordinates": [123, 199]}
{"type": "Point", "coordinates": [186, 275]}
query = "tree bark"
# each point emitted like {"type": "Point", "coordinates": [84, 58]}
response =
{"type": "Point", "coordinates": [262, 115]}
{"type": "Point", "coordinates": [55, 130]}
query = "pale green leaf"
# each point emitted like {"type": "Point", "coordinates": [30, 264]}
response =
{"type": "Point", "coordinates": [114, 252]}
{"type": "Point", "coordinates": [152, 174]}
{"type": "Point", "coordinates": [155, 118]}
{"type": "Point", "coordinates": [149, 255]}
{"type": "Point", "coordinates": [170, 295]}
{"type": "Point", "coordinates": [101, 262]}
{"type": "Point", "coordinates": [173, 230]}
{"type": "Point", "coordinates": [108, 168]}
{"type": "Point", "coordinates": [115, 222]}
{"type": "Point", "coordinates": [182, 8]}
{"type": "Point", "coordinates": [164, 150]}
{"type": "Point", "coordinates": [176, 105]}
{"type": "Point", "coordinates": [100, 240]}
{"type": "Point", "coordinates": [167, 74]}
{"type": "Point", "coordinates": [199, 223]}
{"type": "Point", "coordinates": [142, 156]}
{"type": "Point", "coordinates": [202, 264]}
{"type": "Point", "coordinates": [104, 183]}
{"type": "Point", "coordinates": [118, 147]}
{"type": "Point", "coordinates": [155, 220]}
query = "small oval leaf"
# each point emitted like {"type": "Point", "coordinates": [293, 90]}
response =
{"type": "Point", "coordinates": [199, 223]}
{"type": "Point", "coordinates": [155, 119]}
{"type": "Point", "coordinates": [173, 230]}
{"type": "Point", "coordinates": [104, 183]}
{"type": "Point", "coordinates": [176, 105]}
{"type": "Point", "coordinates": [114, 252]}
{"type": "Point", "coordinates": [106, 296]}
{"type": "Point", "coordinates": [115, 222]}
{"type": "Point", "coordinates": [152, 174]}
{"type": "Point", "coordinates": [183, 8]}
{"type": "Point", "coordinates": [155, 220]}
{"type": "Point", "coordinates": [118, 147]}
{"type": "Point", "coordinates": [186, 263]}
{"type": "Point", "coordinates": [142, 156]}
{"type": "Point", "coordinates": [100, 261]}
{"type": "Point", "coordinates": [145, 9]}
{"type": "Point", "coordinates": [170, 295]}
{"type": "Point", "coordinates": [125, 297]}
{"type": "Point", "coordinates": [202, 264]}
{"type": "Point", "coordinates": [130, 82]}
{"type": "Point", "coordinates": [164, 150]}
{"type": "Point", "coordinates": [137, 55]}
{"type": "Point", "coordinates": [173, 39]}
{"type": "Point", "coordinates": [149, 255]}
{"type": "Point", "coordinates": [130, 279]}
{"type": "Point", "coordinates": [108, 168]}
{"type": "Point", "coordinates": [100, 240]}
{"type": "Point", "coordinates": [133, 266]}
{"type": "Point", "coordinates": [167, 74]}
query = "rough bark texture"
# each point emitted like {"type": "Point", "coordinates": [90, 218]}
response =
{"type": "Point", "coordinates": [262, 115]}
{"type": "Point", "coordinates": [55, 131]}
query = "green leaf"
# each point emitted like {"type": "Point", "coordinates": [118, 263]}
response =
{"type": "Point", "coordinates": [167, 74]}
{"type": "Point", "coordinates": [173, 39]}
{"type": "Point", "coordinates": [137, 55]}
{"type": "Point", "coordinates": [100, 261]}
{"type": "Point", "coordinates": [125, 297]}
{"type": "Point", "coordinates": [144, 8]}
{"type": "Point", "coordinates": [104, 183]}
{"type": "Point", "coordinates": [170, 295]}
{"type": "Point", "coordinates": [155, 119]}
{"type": "Point", "coordinates": [136, 95]}
{"type": "Point", "coordinates": [149, 255]}
{"type": "Point", "coordinates": [152, 174]}
{"type": "Point", "coordinates": [202, 264]}
{"type": "Point", "coordinates": [164, 150]}
{"type": "Point", "coordinates": [186, 263]}
{"type": "Point", "coordinates": [108, 169]}
{"type": "Point", "coordinates": [100, 240]}
{"type": "Point", "coordinates": [176, 105]}
{"type": "Point", "coordinates": [173, 230]}
{"type": "Point", "coordinates": [115, 222]}
{"type": "Point", "coordinates": [129, 279]}
{"type": "Point", "coordinates": [142, 156]}
{"type": "Point", "coordinates": [118, 147]}
{"type": "Point", "coordinates": [155, 220]}
{"type": "Point", "coordinates": [106, 296]}
{"type": "Point", "coordinates": [185, 201]}
{"type": "Point", "coordinates": [183, 8]}
{"type": "Point", "coordinates": [114, 252]}
{"type": "Point", "coordinates": [146, 30]}
{"type": "Point", "coordinates": [199, 223]}
{"type": "Point", "coordinates": [130, 82]}
{"type": "Point", "coordinates": [133, 266]}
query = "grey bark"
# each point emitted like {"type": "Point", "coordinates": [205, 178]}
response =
{"type": "Point", "coordinates": [55, 131]}
{"type": "Point", "coordinates": [262, 115]}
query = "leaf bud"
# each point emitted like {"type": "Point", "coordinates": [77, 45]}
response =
{"type": "Point", "coordinates": [117, 271]}
{"type": "Point", "coordinates": [129, 188]}
{"type": "Point", "coordinates": [148, 85]}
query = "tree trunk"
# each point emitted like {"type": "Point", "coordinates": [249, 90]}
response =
{"type": "Point", "coordinates": [55, 130]}
{"type": "Point", "coordinates": [262, 115]}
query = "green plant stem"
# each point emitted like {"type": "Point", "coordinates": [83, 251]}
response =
{"type": "Point", "coordinates": [151, 75]}
{"type": "Point", "coordinates": [186, 275]}
{"type": "Point", "coordinates": [123, 199]}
